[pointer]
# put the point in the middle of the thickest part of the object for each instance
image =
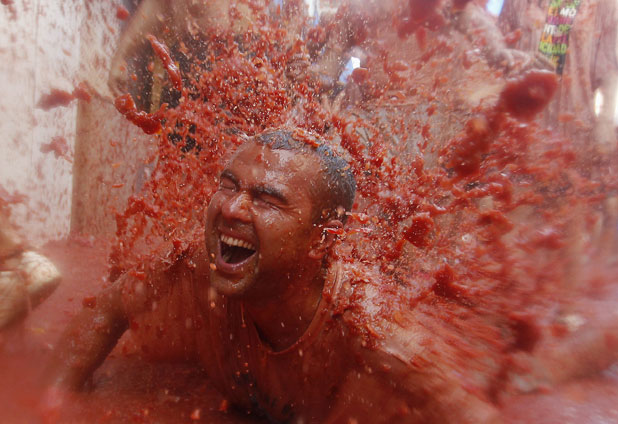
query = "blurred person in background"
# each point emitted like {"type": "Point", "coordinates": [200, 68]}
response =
{"type": "Point", "coordinates": [579, 39]}
{"type": "Point", "coordinates": [184, 26]}
{"type": "Point", "coordinates": [26, 278]}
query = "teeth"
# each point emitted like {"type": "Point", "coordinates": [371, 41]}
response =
{"type": "Point", "coordinates": [231, 241]}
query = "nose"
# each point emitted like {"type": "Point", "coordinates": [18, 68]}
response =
{"type": "Point", "coordinates": [236, 207]}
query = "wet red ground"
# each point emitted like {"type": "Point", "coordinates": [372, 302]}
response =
{"type": "Point", "coordinates": [125, 389]}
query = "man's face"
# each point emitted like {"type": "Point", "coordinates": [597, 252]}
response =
{"type": "Point", "coordinates": [259, 228]}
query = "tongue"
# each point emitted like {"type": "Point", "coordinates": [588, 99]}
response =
{"type": "Point", "coordinates": [235, 254]}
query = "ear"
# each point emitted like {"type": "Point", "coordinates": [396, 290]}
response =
{"type": "Point", "coordinates": [325, 238]}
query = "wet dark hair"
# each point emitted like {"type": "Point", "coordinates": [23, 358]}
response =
{"type": "Point", "coordinates": [338, 187]}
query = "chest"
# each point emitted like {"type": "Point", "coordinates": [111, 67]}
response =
{"type": "Point", "coordinates": [299, 382]}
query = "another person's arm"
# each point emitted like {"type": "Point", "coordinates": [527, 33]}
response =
{"type": "Point", "coordinates": [479, 25]}
{"type": "Point", "coordinates": [476, 24]}
{"type": "Point", "coordinates": [147, 19]}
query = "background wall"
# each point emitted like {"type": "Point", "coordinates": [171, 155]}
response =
{"type": "Point", "coordinates": [39, 50]}
{"type": "Point", "coordinates": [110, 153]}
{"type": "Point", "coordinates": [47, 45]}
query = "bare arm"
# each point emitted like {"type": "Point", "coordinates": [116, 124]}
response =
{"type": "Point", "coordinates": [93, 333]}
{"type": "Point", "coordinates": [83, 346]}
{"type": "Point", "coordinates": [89, 338]}
{"type": "Point", "coordinates": [147, 19]}
{"type": "Point", "coordinates": [392, 393]}
{"type": "Point", "coordinates": [478, 25]}
{"type": "Point", "coordinates": [405, 381]}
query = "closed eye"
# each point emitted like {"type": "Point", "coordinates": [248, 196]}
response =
{"type": "Point", "coordinates": [265, 199]}
{"type": "Point", "coordinates": [268, 196]}
{"type": "Point", "coordinates": [227, 182]}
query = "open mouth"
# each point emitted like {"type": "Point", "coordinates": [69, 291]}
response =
{"type": "Point", "coordinates": [235, 251]}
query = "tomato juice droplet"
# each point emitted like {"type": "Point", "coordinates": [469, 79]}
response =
{"type": "Point", "coordinates": [418, 232]}
{"type": "Point", "coordinates": [513, 37]}
{"type": "Point", "coordinates": [149, 123]}
{"type": "Point", "coordinates": [89, 302]}
{"type": "Point", "coordinates": [55, 98]}
{"type": "Point", "coordinates": [460, 4]}
{"type": "Point", "coordinates": [122, 13]}
{"type": "Point", "coordinates": [58, 146]}
{"type": "Point", "coordinates": [163, 53]}
{"type": "Point", "coordinates": [422, 10]}
{"type": "Point", "coordinates": [82, 92]}
{"type": "Point", "coordinates": [528, 95]}
{"type": "Point", "coordinates": [527, 332]}
{"type": "Point", "coordinates": [359, 75]}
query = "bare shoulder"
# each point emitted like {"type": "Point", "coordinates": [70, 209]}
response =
{"type": "Point", "coordinates": [162, 275]}
{"type": "Point", "coordinates": [408, 362]}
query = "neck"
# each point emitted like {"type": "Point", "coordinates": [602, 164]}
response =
{"type": "Point", "coordinates": [282, 319]}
